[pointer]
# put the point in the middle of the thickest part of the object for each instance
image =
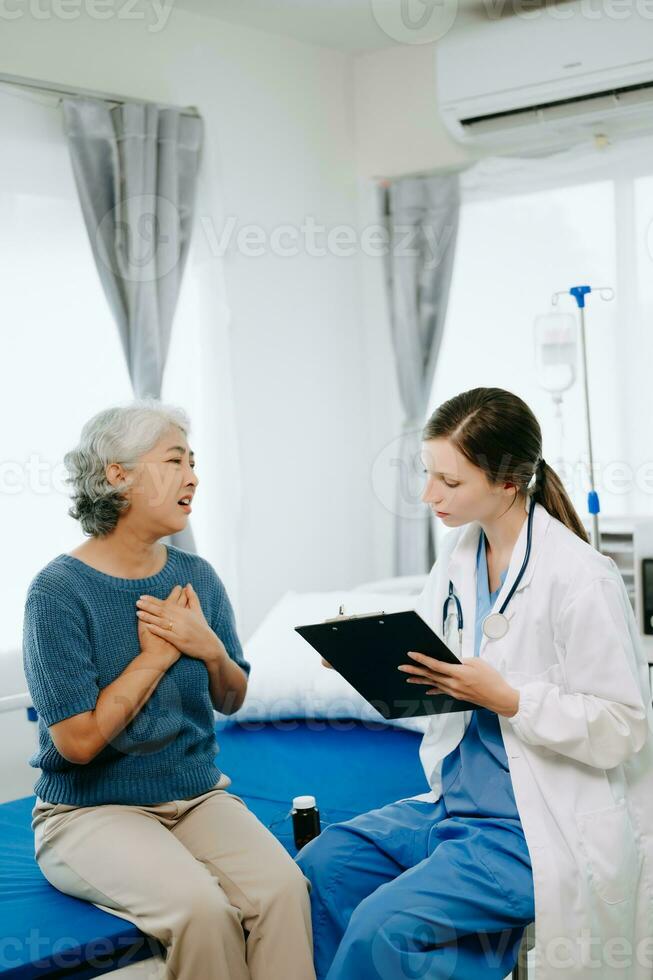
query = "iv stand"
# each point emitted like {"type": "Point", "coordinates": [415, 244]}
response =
{"type": "Point", "coordinates": [579, 293]}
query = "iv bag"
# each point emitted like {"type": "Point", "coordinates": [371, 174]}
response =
{"type": "Point", "coordinates": [555, 351]}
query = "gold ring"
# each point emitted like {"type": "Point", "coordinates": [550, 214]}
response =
{"type": "Point", "coordinates": [170, 625]}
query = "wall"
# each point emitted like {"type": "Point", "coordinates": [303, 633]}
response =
{"type": "Point", "coordinates": [398, 132]}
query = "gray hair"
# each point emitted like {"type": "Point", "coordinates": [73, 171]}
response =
{"type": "Point", "coordinates": [121, 434]}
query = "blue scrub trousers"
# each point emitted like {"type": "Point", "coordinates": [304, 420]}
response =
{"type": "Point", "coordinates": [428, 890]}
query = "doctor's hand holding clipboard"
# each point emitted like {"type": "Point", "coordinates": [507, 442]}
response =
{"type": "Point", "coordinates": [473, 680]}
{"type": "Point", "coordinates": [369, 650]}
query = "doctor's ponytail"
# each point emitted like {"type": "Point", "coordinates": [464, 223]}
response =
{"type": "Point", "coordinates": [497, 431]}
{"type": "Point", "coordinates": [550, 492]}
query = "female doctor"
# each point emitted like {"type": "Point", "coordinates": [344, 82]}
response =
{"type": "Point", "coordinates": [541, 797]}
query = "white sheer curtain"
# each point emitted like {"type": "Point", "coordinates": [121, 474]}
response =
{"type": "Point", "coordinates": [62, 360]}
{"type": "Point", "coordinates": [198, 375]}
{"type": "Point", "coordinates": [61, 357]}
{"type": "Point", "coordinates": [530, 227]}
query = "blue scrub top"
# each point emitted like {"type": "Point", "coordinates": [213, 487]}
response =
{"type": "Point", "coordinates": [475, 775]}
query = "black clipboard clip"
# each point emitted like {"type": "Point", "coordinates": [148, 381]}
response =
{"type": "Point", "coordinates": [342, 617]}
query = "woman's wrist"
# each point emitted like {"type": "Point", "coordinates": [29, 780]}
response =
{"type": "Point", "coordinates": [215, 652]}
{"type": "Point", "coordinates": [162, 660]}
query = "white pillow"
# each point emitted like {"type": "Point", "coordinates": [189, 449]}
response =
{"type": "Point", "coordinates": [399, 585]}
{"type": "Point", "coordinates": [288, 679]}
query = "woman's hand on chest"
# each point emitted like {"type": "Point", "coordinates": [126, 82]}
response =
{"type": "Point", "coordinates": [184, 626]}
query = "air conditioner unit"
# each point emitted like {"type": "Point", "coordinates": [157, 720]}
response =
{"type": "Point", "coordinates": [546, 77]}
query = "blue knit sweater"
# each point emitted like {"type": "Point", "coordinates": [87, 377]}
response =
{"type": "Point", "coordinates": [80, 632]}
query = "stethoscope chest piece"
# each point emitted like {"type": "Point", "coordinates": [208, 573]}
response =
{"type": "Point", "coordinates": [495, 626]}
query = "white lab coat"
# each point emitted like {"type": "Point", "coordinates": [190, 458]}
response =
{"type": "Point", "coordinates": [580, 748]}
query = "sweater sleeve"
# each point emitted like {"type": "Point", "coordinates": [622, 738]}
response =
{"type": "Point", "coordinates": [61, 675]}
{"type": "Point", "coordinates": [224, 626]}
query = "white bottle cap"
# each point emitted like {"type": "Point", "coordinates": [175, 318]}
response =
{"type": "Point", "coordinates": [303, 802]}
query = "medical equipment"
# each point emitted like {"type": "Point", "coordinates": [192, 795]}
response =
{"type": "Point", "coordinates": [556, 357]}
{"type": "Point", "coordinates": [495, 626]}
{"type": "Point", "coordinates": [579, 293]}
{"type": "Point", "coordinates": [555, 352]}
{"type": "Point", "coordinates": [647, 594]}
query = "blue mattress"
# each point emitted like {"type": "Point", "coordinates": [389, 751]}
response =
{"type": "Point", "coordinates": [349, 769]}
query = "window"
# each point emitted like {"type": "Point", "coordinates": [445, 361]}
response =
{"type": "Point", "coordinates": [530, 228]}
{"type": "Point", "coordinates": [62, 359]}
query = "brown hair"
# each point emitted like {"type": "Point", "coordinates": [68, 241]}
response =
{"type": "Point", "coordinates": [496, 431]}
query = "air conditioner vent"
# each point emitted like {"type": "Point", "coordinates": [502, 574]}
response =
{"type": "Point", "coordinates": [634, 95]}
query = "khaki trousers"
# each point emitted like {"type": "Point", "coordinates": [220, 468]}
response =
{"type": "Point", "coordinates": [201, 875]}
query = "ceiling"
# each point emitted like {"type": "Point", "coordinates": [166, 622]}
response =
{"type": "Point", "coordinates": [348, 25]}
{"type": "Point", "coordinates": [363, 25]}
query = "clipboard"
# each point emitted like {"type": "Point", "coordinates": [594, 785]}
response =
{"type": "Point", "coordinates": [367, 650]}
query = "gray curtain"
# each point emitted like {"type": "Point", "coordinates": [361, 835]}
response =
{"type": "Point", "coordinates": [136, 166]}
{"type": "Point", "coordinates": [421, 214]}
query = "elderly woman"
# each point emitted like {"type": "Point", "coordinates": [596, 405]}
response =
{"type": "Point", "coordinates": [129, 645]}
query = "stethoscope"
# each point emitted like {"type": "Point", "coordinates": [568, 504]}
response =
{"type": "Point", "coordinates": [495, 626]}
